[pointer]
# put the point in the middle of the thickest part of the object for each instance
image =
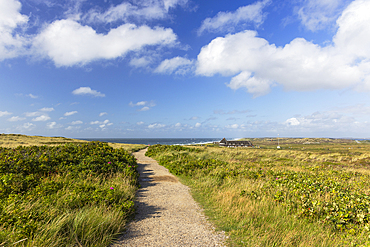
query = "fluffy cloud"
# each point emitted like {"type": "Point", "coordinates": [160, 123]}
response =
{"type": "Point", "coordinates": [41, 118]}
{"type": "Point", "coordinates": [156, 126]}
{"type": "Point", "coordinates": [69, 43]}
{"type": "Point", "coordinates": [11, 45]}
{"type": "Point", "coordinates": [317, 14]}
{"type": "Point", "coordinates": [38, 116]}
{"type": "Point", "coordinates": [145, 105]}
{"type": "Point", "coordinates": [327, 122]}
{"type": "Point", "coordinates": [70, 113]}
{"type": "Point", "coordinates": [77, 122]}
{"type": "Point", "coordinates": [147, 10]}
{"type": "Point", "coordinates": [140, 103]}
{"type": "Point", "coordinates": [27, 126]}
{"type": "Point", "coordinates": [141, 62]}
{"type": "Point", "coordinates": [226, 21]}
{"type": "Point", "coordinates": [53, 125]}
{"type": "Point", "coordinates": [233, 126]}
{"type": "Point", "coordinates": [33, 114]}
{"type": "Point", "coordinates": [145, 108]}
{"type": "Point", "coordinates": [45, 109]}
{"type": "Point", "coordinates": [32, 96]}
{"type": "Point", "coordinates": [254, 85]}
{"type": "Point", "coordinates": [73, 127]}
{"type": "Point", "coordinates": [4, 113]}
{"type": "Point", "coordinates": [87, 91]}
{"type": "Point", "coordinates": [292, 121]}
{"type": "Point", "coordinates": [300, 65]}
{"type": "Point", "coordinates": [102, 114]}
{"type": "Point", "coordinates": [197, 125]}
{"type": "Point", "coordinates": [15, 119]}
{"type": "Point", "coordinates": [177, 65]}
{"type": "Point", "coordinates": [102, 124]}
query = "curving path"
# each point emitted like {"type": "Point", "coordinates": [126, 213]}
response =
{"type": "Point", "coordinates": [167, 215]}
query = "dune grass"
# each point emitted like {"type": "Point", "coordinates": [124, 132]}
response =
{"type": "Point", "coordinates": [300, 195]}
{"type": "Point", "coordinates": [76, 194]}
{"type": "Point", "coordinates": [15, 140]}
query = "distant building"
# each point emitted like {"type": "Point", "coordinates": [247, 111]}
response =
{"type": "Point", "coordinates": [226, 143]}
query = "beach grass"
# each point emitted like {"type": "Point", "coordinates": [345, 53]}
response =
{"type": "Point", "coordinates": [64, 192]}
{"type": "Point", "coordinates": [310, 192]}
{"type": "Point", "coordinates": [15, 140]}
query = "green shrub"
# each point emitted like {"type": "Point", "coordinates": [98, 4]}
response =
{"type": "Point", "coordinates": [43, 185]}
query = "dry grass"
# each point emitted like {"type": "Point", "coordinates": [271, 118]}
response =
{"type": "Point", "coordinates": [250, 214]}
{"type": "Point", "coordinates": [15, 140]}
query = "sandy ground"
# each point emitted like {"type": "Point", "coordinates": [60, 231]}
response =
{"type": "Point", "coordinates": [167, 215]}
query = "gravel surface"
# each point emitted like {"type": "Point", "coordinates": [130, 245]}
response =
{"type": "Point", "coordinates": [167, 215]}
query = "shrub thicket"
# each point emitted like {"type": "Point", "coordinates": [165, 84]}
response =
{"type": "Point", "coordinates": [73, 194]}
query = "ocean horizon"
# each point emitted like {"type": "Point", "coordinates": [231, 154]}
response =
{"type": "Point", "coordinates": [153, 141]}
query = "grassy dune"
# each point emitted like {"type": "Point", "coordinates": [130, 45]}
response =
{"type": "Point", "coordinates": [64, 192]}
{"type": "Point", "coordinates": [311, 192]}
{"type": "Point", "coordinates": [15, 140]}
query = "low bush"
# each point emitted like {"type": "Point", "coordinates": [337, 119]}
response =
{"type": "Point", "coordinates": [65, 194]}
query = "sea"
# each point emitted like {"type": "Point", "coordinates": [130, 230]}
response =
{"type": "Point", "coordinates": [153, 141]}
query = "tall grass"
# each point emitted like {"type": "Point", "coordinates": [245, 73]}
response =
{"type": "Point", "coordinates": [74, 195]}
{"type": "Point", "coordinates": [289, 197]}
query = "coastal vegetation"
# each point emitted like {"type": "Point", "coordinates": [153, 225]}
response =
{"type": "Point", "coordinates": [74, 194]}
{"type": "Point", "coordinates": [310, 192]}
{"type": "Point", "coordinates": [15, 140]}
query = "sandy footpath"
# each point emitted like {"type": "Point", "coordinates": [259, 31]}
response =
{"type": "Point", "coordinates": [167, 215]}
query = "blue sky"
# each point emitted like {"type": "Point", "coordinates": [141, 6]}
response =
{"type": "Point", "coordinates": [185, 68]}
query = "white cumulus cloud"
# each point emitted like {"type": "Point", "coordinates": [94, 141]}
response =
{"type": "Point", "coordinates": [32, 96]}
{"type": "Point", "coordinates": [70, 113]}
{"type": "Point", "coordinates": [15, 119]}
{"type": "Point", "coordinates": [300, 65]}
{"type": "Point", "coordinates": [69, 43]}
{"type": "Point", "coordinates": [292, 121]}
{"type": "Point", "coordinates": [4, 113]}
{"type": "Point", "coordinates": [145, 108]}
{"type": "Point", "coordinates": [226, 21]}
{"type": "Point", "coordinates": [177, 65]}
{"type": "Point", "coordinates": [77, 122]}
{"type": "Point", "coordinates": [317, 14]}
{"type": "Point", "coordinates": [33, 114]}
{"type": "Point", "coordinates": [156, 126]}
{"type": "Point", "coordinates": [41, 118]}
{"type": "Point", "coordinates": [145, 105]}
{"type": "Point", "coordinates": [232, 126]}
{"type": "Point", "coordinates": [87, 91]}
{"type": "Point", "coordinates": [147, 10]}
{"type": "Point", "coordinates": [255, 86]}
{"type": "Point", "coordinates": [28, 126]}
{"type": "Point", "coordinates": [53, 125]}
{"type": "Point", "coordinates": [11, 44]}
{"type": "Point", "coordinates": [46, 109]}
{"type": "Point", "coordinates": [102, 124]}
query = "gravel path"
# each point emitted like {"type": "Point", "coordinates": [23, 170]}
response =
{"type": "Point", "coordinates": [167, 215]}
